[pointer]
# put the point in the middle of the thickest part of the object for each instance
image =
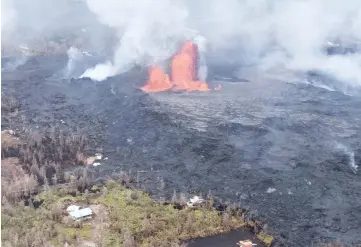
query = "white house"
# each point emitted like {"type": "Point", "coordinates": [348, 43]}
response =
{"type": "Point", "coordinates": [81, 214]}
{"type": "Point", "coordinates": [196, 200]}
{"type": "Point", "coordinates": [72, 208]}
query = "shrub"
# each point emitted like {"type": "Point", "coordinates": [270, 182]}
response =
{"type": "Point", "coordinates": [265, 238]}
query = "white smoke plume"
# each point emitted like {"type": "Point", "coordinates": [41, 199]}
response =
{"type": "Point", "coordinates": [74, 57]}
{"type": "Point", "coordinates": [350, 154]}
{"type": "Point", "coordinates": [275, 37]}
{"type": "Point", "coordinates": [148, 32]}
{"type": "Point", "coordinates": [8, 18]}
{"type": "Point", "coordinates": [37, 23]}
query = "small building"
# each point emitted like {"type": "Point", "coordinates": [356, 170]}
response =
{"type": "Point", "coordinates": [196, 200]}
{"type": "Point", "coordinates": [81, 214]}
{"type": "Point", "coordinates": [72, 208]}
{"type": "Point", "coordinates": [96, 164]}
{"type": "Point", "coordinates": [246, 243]}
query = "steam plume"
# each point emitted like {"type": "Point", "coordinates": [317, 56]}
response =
{"type": "Point", "coordinates": [8, 16]}
{"type": "Point", "coordinates": [283, 38]}
{"type": "Point", "coordinates": [273, 36]}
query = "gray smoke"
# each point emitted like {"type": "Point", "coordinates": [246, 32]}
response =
{"type": "Point", "coordinates": [41, 24]}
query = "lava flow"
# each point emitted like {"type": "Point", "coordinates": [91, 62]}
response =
{"type": "Point", "coordinates": [184, 67]}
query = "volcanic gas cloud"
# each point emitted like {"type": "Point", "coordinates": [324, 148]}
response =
{"type": "Point", "coordinates": [184, 68]}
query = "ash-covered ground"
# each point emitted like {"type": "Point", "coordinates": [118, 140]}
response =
{"type": "Point", "coordinates": [287, 152]}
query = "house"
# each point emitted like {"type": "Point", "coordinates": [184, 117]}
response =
{"type": "Point", "coordinates": [246, 243]}
{"type": "Point", "coordinates": [196, 200]}
{"type": "Point", "coordinates": [79, 214]}
{"type": "Point", "coordinates": [72, 208]}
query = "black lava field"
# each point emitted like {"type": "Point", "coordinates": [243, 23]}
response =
{"type": "Point", "coordinates": [289, 153]}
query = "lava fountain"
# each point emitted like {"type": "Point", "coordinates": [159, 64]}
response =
{"type": "Point", "coordinates": [157, 80]}
{"type": "Point", "coordinates": [184, 67]}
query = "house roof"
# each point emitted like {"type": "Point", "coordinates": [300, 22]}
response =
{"type": "Point", "coordinates": [194, 200]}
{"type": "Point", "coordinates": [81, 213]}
{"type": "Point", "coordinates": [72, 208]}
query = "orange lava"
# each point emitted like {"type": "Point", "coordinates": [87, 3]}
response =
{"type": "Point", "coordinates": [158, 80]}
{"type": "Point", "coordinates": [184, 64]}
{"type": "Point", "coordinates": [184, 67]}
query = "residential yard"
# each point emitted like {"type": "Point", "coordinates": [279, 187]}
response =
{"type": "Point", "coordinates": [122, 217]}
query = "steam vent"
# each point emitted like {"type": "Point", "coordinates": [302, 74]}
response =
{"type": "Point", "coordinates": [184, 68]}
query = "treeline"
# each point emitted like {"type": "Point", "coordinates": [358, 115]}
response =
{"type": "Point", "coordinates": [41, 159]}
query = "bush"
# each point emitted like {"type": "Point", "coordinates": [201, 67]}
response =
{"type": "Point", "coordinates": [133, 219]}
{"type": "Point", "coordinates": [265, 238]}
{"type": "Point", "coordinates": [154, 224]}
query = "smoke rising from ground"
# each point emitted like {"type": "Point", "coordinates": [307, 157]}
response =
{"type": "Point", "coordinates": [271, 37]}
{"type": "Point", "coordinates": [282, 39]}
{"type": "Point", "coordinates": [148, 32]}
{"type": "Point", "coordinates": [8, 18]}
{"type": "Point", "coordinates": [45, 24]}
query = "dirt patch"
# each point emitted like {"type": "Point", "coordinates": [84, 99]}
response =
{"type": "Point", "coordinates": [87, 244]}
{"type": "Point", "coordinates": [98, 210]}
{"type": "Point", "coordinates": [90, 160]}
{"type": "Point", "coordinates": [13, 161]}
{"type": "Point", "coordinates": [100, 223]}
{"type": "Point", "coordinates": [9, 140]}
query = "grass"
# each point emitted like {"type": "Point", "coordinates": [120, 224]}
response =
{"type": "Point", "coordinates": [265, 238]}
{"type": "Point", "coordinates": [131, 218]}
{"type": "Point", "coordinates": [22, 225]}
{"type": "Point", "coordinates": [50, 197]}
{"type": "Point", "coordinates": [154, 224]}
{"type": "Point", "coordinates": [84, 232]}
{"type": "Point", "coordinates": [43, 226]}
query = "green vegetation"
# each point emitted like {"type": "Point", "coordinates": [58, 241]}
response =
{"type": "Point", "coordinates": [265, 238]}
{"type": "Point", "coordinates": [26, 226]}
{"type": "Point", "coordinates": [125, 217]}
{"type": "Point", "coordinates": [154, 224]}
{"type": "Point", "coordinates": [35, 173]}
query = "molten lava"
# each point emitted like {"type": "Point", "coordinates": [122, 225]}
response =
{"type": "Point", "coordinates": [184, 69]}
{"type": "Point", "coordinates": [184, 64]}
{"type": "Point", "coordinates": [158, 80]}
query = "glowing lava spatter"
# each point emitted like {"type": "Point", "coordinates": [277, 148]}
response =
{"type": "Point", "coordinates": [157, 80]}
{"type": "Point", "coordinates": [184, 64]}
{"type": "Point", "coordinates": [184, 68]}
